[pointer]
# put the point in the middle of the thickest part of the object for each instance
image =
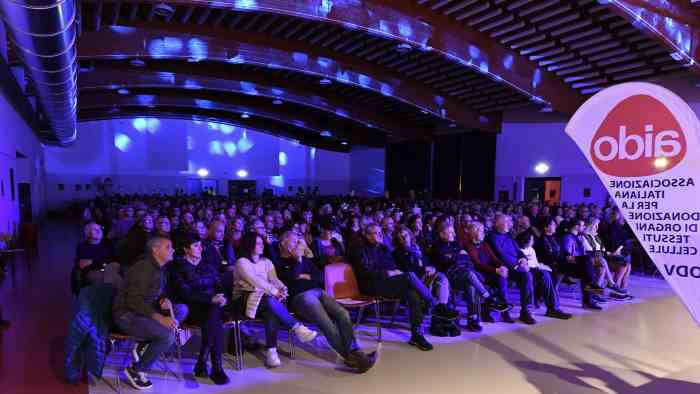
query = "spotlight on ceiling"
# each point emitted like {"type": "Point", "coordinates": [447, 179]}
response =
{"type": "Point", "coordinates": [343, 143]}
{"type": "Point", "coordinates": [164, 10]}
{"type": "Point", "coordinates": [325, 81]}
{"type": "Point", "coordinates": [137, 63]}
{"type": "Point", "coordinates": [123, 91]}
{"type": "Point", "coordinates": [277, 102]}
{"type": "Point", "coordinates": [677, 56]}
{"type": "Point", "coordinates": [242, 173]}
{"type": "Point", "coordinates": [326, 133]}
{"type": "Point", "coordinates": [202, 172]}
{"type": "Point", "coordinates": [245, 115]}
{"type": "Point", "coordinates": [404, 48]}
{"type": "Point", "coordinates": [547, 108]}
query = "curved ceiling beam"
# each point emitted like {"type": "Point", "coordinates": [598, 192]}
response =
{"type": "Point", "coordinates": [663, 22]}
{"type": "Point", "coordinates": [408, 22]}
{"type": "Point", "coordinates": [200, 114]}
{"type": "Point", "coordinates": [103, 78]}
{"type": "Point", "coordinates": [252, 106]}
{"type": "Point", "coordinates": [198, 43]}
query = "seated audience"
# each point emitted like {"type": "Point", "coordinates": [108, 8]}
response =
{"type": "Point", "coordinates": [163, 227]}
{"type": "Point", "coordinates": [608, 261]}
{"type": "Point", "coordinates": [260, 294]}
{"type": "Point", "coordinates": [378, 276]}
{"type": "Point", "coordinates": [542, 276]}
{"type": "Point", "coordinates": [310, 301]}
{"type": "Point", "coordinates": [91, 257]}
{"type": "Point", "coordinates": [450, 259]}
{"type": "Point", "coordinates": [327, 249]}
{"type": "Point", "coordinates": [197, 285]}
{"type": "Point", "coordinates": [137, 238]}
{"type": "Point", "coordinates": [487, 263]}
{"type": "Point", "coordinates": [217, 252]}
{"type": "Point", "coordinates": [140, 307]}
{"type": "Point", "coordinates": [508, 252]}
{"type": "Point", "coordinates": [409, 258]}
{"type": "Point", "coordinates": [577, 264]}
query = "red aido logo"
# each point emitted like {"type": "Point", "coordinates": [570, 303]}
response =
{"type": "Point", "coordinates": [639, 137]}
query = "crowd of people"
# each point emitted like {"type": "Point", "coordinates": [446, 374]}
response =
{"type": "Point", "coordinates": [264, 259]}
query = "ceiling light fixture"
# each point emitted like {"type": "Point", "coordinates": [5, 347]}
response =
{"type": "Point", "coordinates": [123, 91]}
{"type": "Point", "coordinates": [164, 10]}
{"type": "Point", "coordinates": [325, 81]}
{"type": "Point", "coordinates": [245, 115]}
{"type": "Point", "coordinates": [277, 102]}
{"type": "Point", "coordinates": [404, 48]}
{"type": "Point", "coordinates": [137, 63]}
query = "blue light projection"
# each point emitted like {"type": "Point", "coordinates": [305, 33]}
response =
{"type": "Point", "coordinates": [324, 62]}
{"type": "Point", "coordinates": [230, 148]}
{"type": "Point", "coordinates": [277, 92]}
{"type": "Point", "coordinates": [283, 159]}
{"type": "Point", "coordinates": [215, 148]}
{"type": "Point", "coordinates": [508, 61]}
{"type": "Point", "coordinates": [536, 78]}
{"type": "Point", "coordinates": [312, 153]}
{"type": "Point", "coordinates": [474, 51]}
{"type": "Point", "coordinates": [277, 181]}
{"type": "Point", "coordinates": [405, 29]}
{"type": "Point", "coordinates": [122, 142]}
{"type": "Point", "coordinates": [245, 4]}
{"type": "Point", "coordinates": [237, 59]}
{"type": "Point", "coordinates": [244, 144]}
{"type": "Point", "coordinates": [198, 49]}
{"type": "Point", "coordinates": [300, 58]}
{"type": "Point", "coordinates": [386, 90]}
{"type": "Point", "coordinates": [249, 88]}
{"type": "Point", "coordinates": [164, 46]}
{"type": "Point", "coordinates": [226, 129]}
{"type": "Point", "coordinates": [363, 80]}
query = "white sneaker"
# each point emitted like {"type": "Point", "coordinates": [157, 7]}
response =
{"type": "Point", "coordinates": [272, 360]}
{"type": "Point", "coordinates": [304, 334]}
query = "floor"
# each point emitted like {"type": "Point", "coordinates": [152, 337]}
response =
{"type": "Point", "coordinates": [649, 345]}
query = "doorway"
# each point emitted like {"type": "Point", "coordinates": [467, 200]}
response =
{"type": "Point", "coordinates": [546, 190]}
{"type": "Point", "coordinates": [25, 202]}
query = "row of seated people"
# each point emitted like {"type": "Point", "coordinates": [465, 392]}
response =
{"type": "Point", "coordinates": [403, 273]}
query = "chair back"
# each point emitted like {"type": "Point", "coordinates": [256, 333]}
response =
{"type": "Point", "coordinates": [340, 281]}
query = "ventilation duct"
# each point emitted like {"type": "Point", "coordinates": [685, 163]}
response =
{"type": "Point", "coordinates": [44, 35]}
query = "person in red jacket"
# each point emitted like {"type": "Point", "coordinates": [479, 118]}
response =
{"type": "Point", "coordinates": [488, 264]}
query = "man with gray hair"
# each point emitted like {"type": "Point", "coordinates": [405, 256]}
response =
{"type": "Point", "coordinates": [141, 310]}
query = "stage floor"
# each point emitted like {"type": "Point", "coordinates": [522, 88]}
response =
{"type": "Point", "coordinates": [649, 345]}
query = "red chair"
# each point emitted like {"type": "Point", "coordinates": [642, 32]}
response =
{"type": "Point", "coordinates": [341, 284]}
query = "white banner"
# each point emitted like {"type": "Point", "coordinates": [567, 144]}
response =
{"type": "Point", "coordinates": [643, 142]}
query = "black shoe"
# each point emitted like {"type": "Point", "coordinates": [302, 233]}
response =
{"type": "Point", "coordinates": [473, 325]}
{"type": "Point", "coordinates": [593, 288]}
{"type": "Point", "coordinates": [454, 330]}
{"type": "Point", "coordinates": [200, 370]}
{"type": "Point", "coordinates": [599, 299]}
{"type": "Point", "coordinates": [361, 362]}
{"type": "Point", "coordinates": [618, 297]}
{"type": "Point", "coordinates": [617, 289]}
{"type": "Point", "coordinates": [136, 379]}
{"type": "Point", "coordinates": [419, 341]}
{"type": "Point", "coordinates": [507, 318]}
{"type": "Point", "coordinates": [592, 305]}
{"type": "Point", "coordinates": [558, 314]}
{"type": "Point", "coordinates": [497, 305]}
{"type": "Point", "coordinates": [218, 376]}
{"type": "Point", "coordinates": [527, 318]}
{"type": "Point", "coordinates": [487, 318]}
{"type": "Point", "coordinates": [443, 311]}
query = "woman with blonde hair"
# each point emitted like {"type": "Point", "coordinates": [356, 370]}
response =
{"type": "Point", "coordinates": [616, 279]}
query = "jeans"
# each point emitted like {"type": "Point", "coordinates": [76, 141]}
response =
{"type": "Point", "coordinates": [146, 329]}
{"type": "Point", "coordinates": [322, 310]}
{"type": "Point", "coordinates": [471, 283]}
{"type": "Point", "coordinates": [274, 314]}
{"type": "Point", "coordinates": [526, 287]}
{"type": "Point", "coordinates": [439, 286]}
{"type": "Point", "coordinates": [545, 286]}
{"type": "Point", "coordinates": [407, 286]}
{"type": "Point", "coordinates": [583, 270]}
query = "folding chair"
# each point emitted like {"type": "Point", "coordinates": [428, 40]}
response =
{"type": "Point", "coordinates": [341, 284]}
{"type": "Point", "coordinates": [237, 322]}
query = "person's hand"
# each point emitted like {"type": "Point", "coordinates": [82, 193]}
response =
{"type": "Point", "coordinates": [166, 321]}
{"type": "Point", "coordinates": [304, 276]}
{"type": "Point", "coordinates": [430, 271]}
{"type": "Point", "coordinates": [165, 304]}
{"type": "Point", "coordinates": [219, 299]}
{"type": "Point", "coordinates": [502, 271]}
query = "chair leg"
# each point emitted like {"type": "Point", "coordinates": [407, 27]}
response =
{"type": "Point", "coordinates": [397, 304]}
{"type": "Point", "coordinates": [239, 345]}
{"type": "Point", "coordinates": [379, 322]}
{"type": "Point", "coordinates": [292, 355]}
{"type": "Point", "coordinates": [359, 316]}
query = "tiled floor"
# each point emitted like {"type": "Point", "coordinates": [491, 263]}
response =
{"type": "Point", "coordinates": [649, 345]}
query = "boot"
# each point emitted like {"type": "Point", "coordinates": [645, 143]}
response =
{"type": "Point", "coordinates": [218, 376]}
{"type": "Point", "coordinates": [200, 368]}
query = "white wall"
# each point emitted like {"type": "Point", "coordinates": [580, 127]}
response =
{"type": "Point", "coordinates": [16, 136]}
{"type": "Point", "coordinates": [530, 137]}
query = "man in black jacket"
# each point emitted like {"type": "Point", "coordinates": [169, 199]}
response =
{"type": "Point", "coordinates": [378, 275]}
{"type": "Point", "coordinates": [140, 309]}
{"type": "Point", "coordinates": [309, 300]}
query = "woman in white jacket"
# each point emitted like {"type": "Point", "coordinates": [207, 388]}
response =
{"type": "Point", "coordinates": [261, 295]}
